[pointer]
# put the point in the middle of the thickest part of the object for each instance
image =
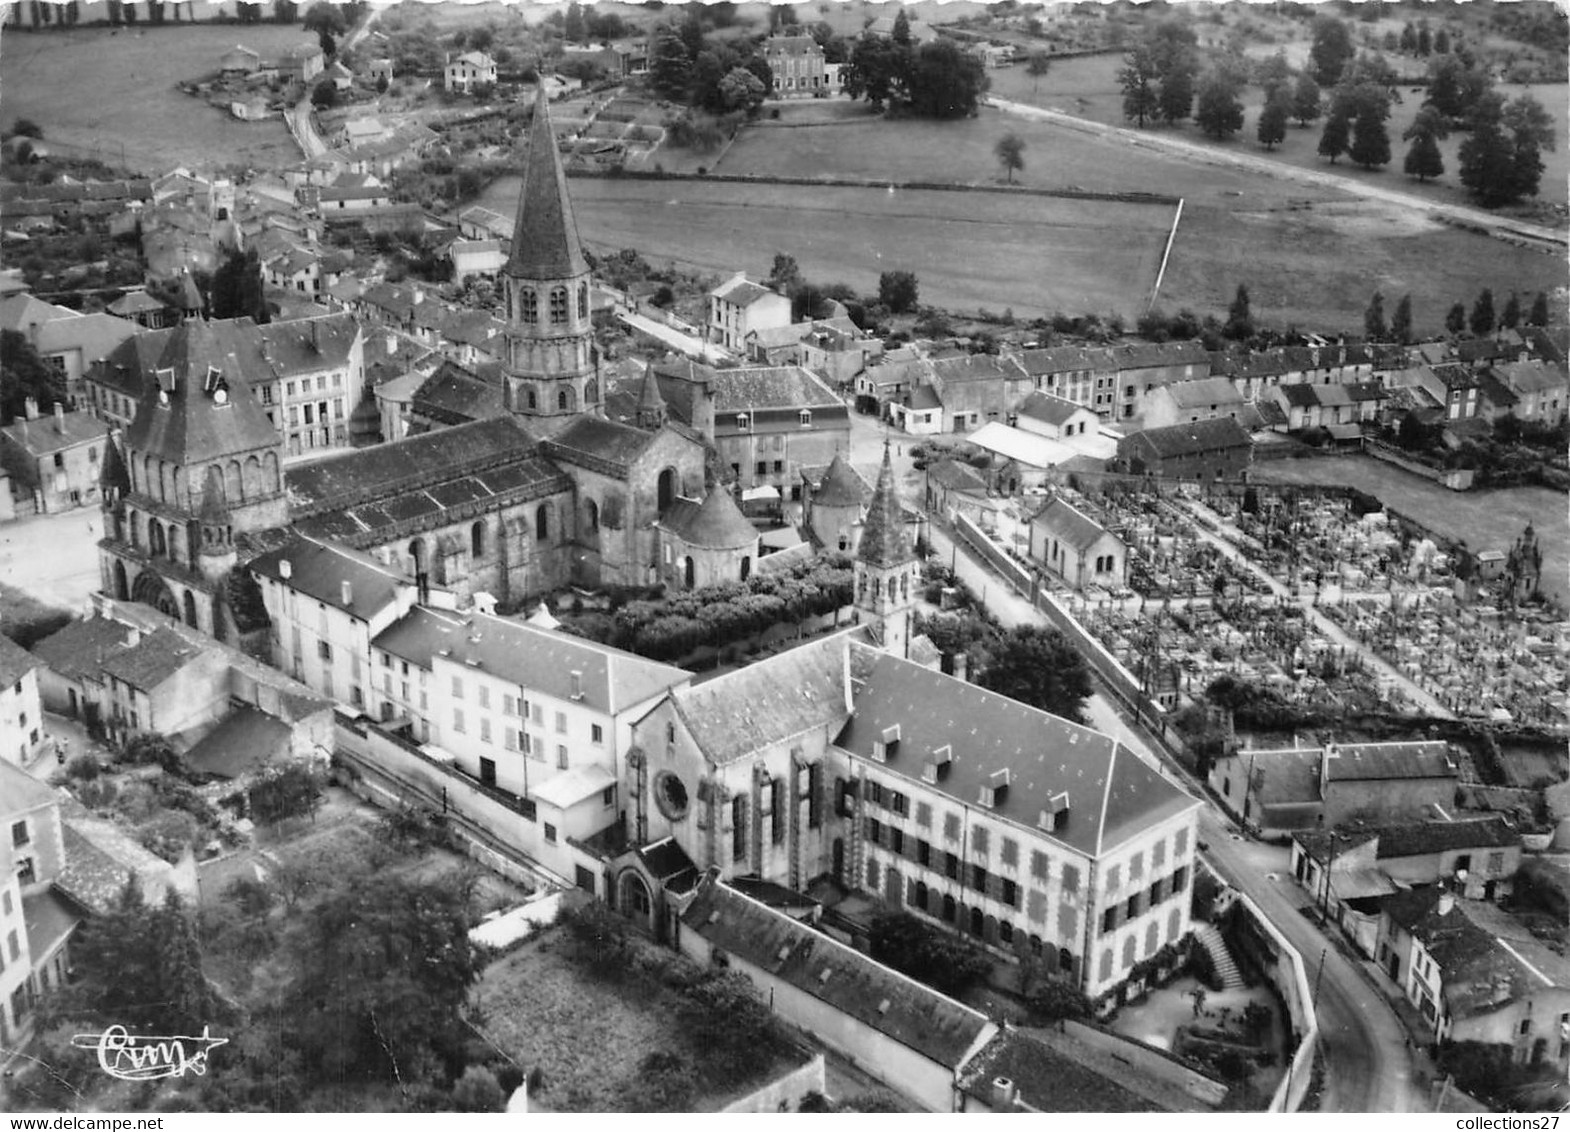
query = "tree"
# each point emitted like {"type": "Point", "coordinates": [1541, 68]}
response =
{"type": "Point", "coordinates": [1273, 74]}
{"type": "Point", "coordinates": [1272, 128]}
{"type": "Point", "coordinates": [25, 128]}
{"type": "Point", "coordinates": [1425, 41]}
{"type": "Point", "coordinates": [1240, 316]}
{"type": "Point", "coordinates": [1489, 163]}
{"type": "Point", "coordinates": [723, 1016]}
{"type": "Point", "coordinates": [1539, 315]}
{"type": "Point", "coordinates": [1510, 317]}
{"type": "Point", "coordinates": [1305, 99]}
{"type": "Point", "coordinates": [237, 288]}
{"type": "Point", "coordinates": [1038, 65]}
{"type": "Point", "coordinates": [323, 15]}
{"type": "Point", "coordinates": [925, 953]}
{"type": "Point", "coordinates": [477, 1090]}
{"type": "Point", "coordinates": [1370, 140]}
{"type": "Point", "coordinates": [1010, 152]}
{"type": "Point", "coordinates": [1408, 40]}
{"type": "Point", "coordinates": [1455, 319]}
{"type": "Point", "coordinates": [26, 376]}
{"type": "Point", "coordinates": [1057, 1000]}
{"type": "Point", "coordinates": [1138, 80]}
{"type": "Point", "coordinates": [1423, 159]}
{"type": "Point", "coordinates": [1374, 328]}
{"type": "Point", "coordinates": [1454, 89]}
{"type": "Point", "coordinates": [327, 43]}
{"type": "Point", "coordinates": [573, 27]}
{"type": "Point", "coordinates": [1482, 320]}
{"type": "Point", "coordinates": [1333, 140]}
{"type": "Point", "coordinates": [324, 96]}
{"type": "Point", "coordinates": [1331, 51]}
{"type": "Point", "coordinates": [740, 89]}
{"type": "Point", "coordinates": [1038, 666]}
{"type": "Point", "coordinates": [381, 972]}
{"type": "Point", "coordinates": [901, 33]}
{"type": "Point", "coordinates": [897, 291]}
{"type": "Point", "coordinates": [1442, 42]}
{"type": "Point", "coordinates": [946, 82]}
{"type": "Point", "coordinates": [1175, 100]}
{"type": "Point", "coordinates": [1220, 113]}
{"type": "Point", "coordinates": [1401, 321]}
{"type": "Point", "coordinates": [879, 70]}
{"type": "Point", "coordinates": [785, 276]}
{"type": "Point", "coordinates": [294, 790]}
{"type": "Point", "coordinates": [141, 965]}
{"type": "Point", "coordinates": [670, 67]}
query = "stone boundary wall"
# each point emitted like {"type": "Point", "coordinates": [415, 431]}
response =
{"type": "Point", "coordinates": [785, 1094]}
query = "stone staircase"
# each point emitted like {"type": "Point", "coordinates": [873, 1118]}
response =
{"type": "Point", "coordinates": [1210, 939]}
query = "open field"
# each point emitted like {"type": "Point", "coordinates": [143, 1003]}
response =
{"type": "Point", "coordinates": [1087, 87]}
{"type": "Point", "coordinates": [968, 250]}
{"type": "Point", "coordinates": [1311, 256]}
{"type": "Point", "coordinates": [1483, 520]}
{"type": "Point", "coordinates": [114, 90]}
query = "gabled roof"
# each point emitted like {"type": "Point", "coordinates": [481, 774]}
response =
{"type": "Point", "coordinates": [770, 387]}
{"type": "Point", "coordinates": [15, 662]}
{"type": "Point", "coordinates": [545, 234]}
{"type": "Point", "coordinates": [1531, 376]}
{"type": "Point", "coordinates": [22, 792]}
{"type": "Point", "coordinates": [742, 292]}
{"type": "Point", "coordinates": [454, 395]}
{"type": "Point", "coordinates": [790, 693]}
{"type": "Point", "coordinates": [307, 344]}
{"type": "Point", "coordinates": [320, 570]}
{"type": "Point", "coordinates": [1203, 392]}
{"type": "Point", "coordinates": [935, 1026]}
{"type": "Point", "coordinates": [884, 541]}
{"type": "Point", "coordinates": [78, 651]}
{"type": "Point", "coordinates": [50, 433]}
{"type": "Point", "coordinates": [157, 657]}
{"type": "Point", "coordinates": [100, 858]}
{"type": "Point", "coordinates": [1051, 410]}
{"type": "Point", "coordinates": [955, 475]}
{"type": "Point", "coordinates": [588, 440]}
{"type": "Point", "coordinates": [1112, 794]}
{"type": "Point", "coordinates": [1069, 524]}
{"type": "Point", "coordinates": [246, 740]}
{"type": "Point", "coordinates": [715, 524]}
{"type": "Point", "coordinates": [567, 789]}
{"type": "Point", "coordinates": [1362, 761]}
{"type": "Point", "coordinates": [1192, 437]}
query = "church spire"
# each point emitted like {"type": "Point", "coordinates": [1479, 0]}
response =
{"type": "Point", "coordinates": [883, 540]}
{"type": "Point", "coordinates": [545, 234]}
{"type": "Point", "coordinates": [651, 405]}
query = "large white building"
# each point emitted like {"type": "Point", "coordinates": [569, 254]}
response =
{"type": "Point", "coordinates": [21, 711]}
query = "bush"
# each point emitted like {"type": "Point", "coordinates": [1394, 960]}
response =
{"type": "Point", "coordinates": [84, 768]}
{"type": "Point", "coordinates": [668, 1083]}
{"type": "Point", "coordinates": [478, 1091]}
{"type": "Point", "coordinates": [927, 954]}
{"type": "Point", "coordinates": [98, 794]}
{"type": "Point", "coordinates": [1056, 1000]}
{"type": "Point", "coordinates": [250, 896]}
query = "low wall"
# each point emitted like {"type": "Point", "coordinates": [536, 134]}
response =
{"type": "Point", "coordinates": [1107, 666]}
{"type": "Point", "coordinates": [785, 1094]}
{"type": "Point", "coordinates": [1456, 479]}
{"type": "Point", "coordinates": [1150, 1062]}
{"type": "Point", "coordinates": [978, 540]}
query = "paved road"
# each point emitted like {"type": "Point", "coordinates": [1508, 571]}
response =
{"type": "Point", "coordinates": [1284, 171]}
{"type": "Point", "coordinates": [683, 343]}
{"type": "Point", "coordinates": [1368, 1068]}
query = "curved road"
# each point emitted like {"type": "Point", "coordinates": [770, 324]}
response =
{"type": "Point", "coordinates": [1367, 1068]}
{"type": "Point", "coordinates": [1280, 169]}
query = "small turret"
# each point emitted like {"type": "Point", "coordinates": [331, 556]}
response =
{"type": "Point", "coordinates": [217, 556]}
{"type": "Point", "coordinates": [651, 405]}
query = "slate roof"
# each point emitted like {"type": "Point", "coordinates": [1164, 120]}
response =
{"type": "Point", "coordinates": [49, 918]}
{"type": "Point", "coordinates": [790, 693]}
{"type": "Point", "coordinates": [741, 291]}
{"type": "Point", "coordinates": [1048, 1080]}
{"type": "Point", "coordinates": [420, 634]}
{"type": "Point", "coordinates": [715, 524]}
{"type": "Point", "coordinates": [22, 792]}
{"type": "Point", "coordinates": [545, 234]}
{"type": "Point", "coordinates": [1069, 524]}
{"type": "Point", "coordinates": [543, 661]}
{"type": "Point", "coordinates": [195, 425]}
{"type": "Point", "coordinates": [1530, 376]}
{"type": "Point", "coordinates": [935, 1026]}
{"type": "Point", "coordinates": [595, 439]}
{"type": "Point", "coordinates": [1113, 795]}
{"type": "Point", "coordinates": [770, 387]}
{"type": "Point", "coordinates": [319, 570]}
{"type": "Point", "coordinates": [98, 860]}
{"type": "Point", "coordinates": [1193, 437]}
{"type": "Point", "coordinates": [245, 741]}
{"type": "Point", "coordinates": [456, 395]}
{"type": "Point", "coordinates": [306, 344]}
{"type": "Point", "coordinates": [152, 660]}
{"type": "Point", "coordinates": [791, 45]}
{"type": "Point", "coordinates": [1052, 410]}
{"type": "Point", "coordinates": [1416, 839]}
{"type": "Point", "coordinates": [15, 662]}
{"type": "Point", "coordinates": [957, 476]}
{"type": "Point", "coordinates": [50, 433]}
{"type": "Point", "coordinates": [1298, 395]}
{"type": "Point", "coordinates": [884, 542]}
{"type": "Point", "coordinates": [1364, 761]}
{"type": "Point", "coordinates": [841, 486]}
{"type": "Point", "coordinates": [133, 302]}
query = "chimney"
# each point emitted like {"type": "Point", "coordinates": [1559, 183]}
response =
{"type": "Point", "coordinates": [285, 570]}
{"type": "Point", "coordinates": [346, 591]}
{"type": "Point", "coordinates": [961, 666]}
{"type": "Point", "coordinates": [1447, 903]}
{"type": "Point", "coordinates": [31, 406]}
{"type": "Point", "coordinates": [59, 418]}
{"type": "Point", "coordinates": [1003, 1092]}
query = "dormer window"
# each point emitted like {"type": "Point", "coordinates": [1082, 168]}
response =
{"type": "Point", "coordinates": [806, 418]}
{"type": "Point", "coordinates": [742, 421]}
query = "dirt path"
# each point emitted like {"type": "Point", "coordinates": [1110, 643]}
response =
{"type": "Point", "coordinates": [1496, 225]}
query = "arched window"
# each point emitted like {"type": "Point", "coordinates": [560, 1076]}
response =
{"type": "Point", "coordinates": [542, 522]}
{"type": "Point", "coordinates": [190, 610]}
{"type": "Point", "coordinates": [558, 305]}
{"type": "Point", "coordinates": [977, 921]}
{"type": "Point", "coordinates": [477, 540]}
{"type": "Point", "coordinates": [591, 516]}
{"type": "Point", "coordinates": [561, 400]}
{"type": "Point", "coordinates": [591, 391]}
{"type": "Point", "coordinates": [583, 300]}
{"type": "Point", "coordinates": [950, 909]}
{"type": "Point", "coordinates": [528, 306]}
{"type": "Point", "coordinates": [665, 493]}
{"type": "Point", "coordinates": [746, 566]}
{"type": "Point", "coordinates": [921, 895]}
{"type": "Point", "coordinates": [1065, 959]}
{"type": "Point", "coordinates": [689, 571]}
{"type": "Point", "coordinates": [534, 401]}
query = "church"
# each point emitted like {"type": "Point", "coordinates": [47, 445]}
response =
{"type": "Point", "coordinates": [541, 491]}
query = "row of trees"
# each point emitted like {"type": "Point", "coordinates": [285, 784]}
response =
{"type": "Point", "coordinates": [934, 80]}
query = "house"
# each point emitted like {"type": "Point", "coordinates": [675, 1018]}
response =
{"type": "Point", "coordinates": [380, 69]}
{"type": "Point", "coordinates": [340, 76]}
{"type": "Point", "coordinates": [1140, 368]}
{"type": "Point", "coordinates": [1454, 386]}
{"type": "Point", "coordinates": [893, 1028]}
{"type": "Point", "coordinates": [472, 258]}
{"type": "Point", "coordinates": [738, 306]}
{"type": "Point", "coordinates": [333, 200]}
{"type": "Point", "coordinates": [836, 349]}
{"type": "Point", "coordinates": [1202, 450]}
{"type": "Point", "coordinates": [539, 716]}
{"type": "Point", "coordinates": [1542, 392]}
{"type": "Point", "coordinates": [1022, 460]}
{"type": "Point", "coordinates": [975, 388]}
{"type": "Point", "coordinates": [957, 488]}
{"type": "Point", "coordinates": [1182, 402]}
{"type": "Point", "coordinates": [239, 60]}
{"type": "Point", "coordinates": [1054, 417]}
{"type": "Point", "coordinates": [469, 70]}
{"type": "Point", "coordinates": [704, 544]}
{"type": "Point", "coordinates": [55, 460]}
{"type": "Point", "coordinates": [1476, 974]}
{"type": "Point", "coordinates": [301, 64]}
{"type": "Point", "coordinates": [21, 710]}
{"type": "Point", "coordinates": [797, 64]}
{"type": "Point", "coordinates": [1077, 548]}
{"type": "Point", "coordinates": [1278, 791]}
{"type": "Point", "coordinates": [362, 130]}
{"type": "Point", "coordinates": [66, 340]}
